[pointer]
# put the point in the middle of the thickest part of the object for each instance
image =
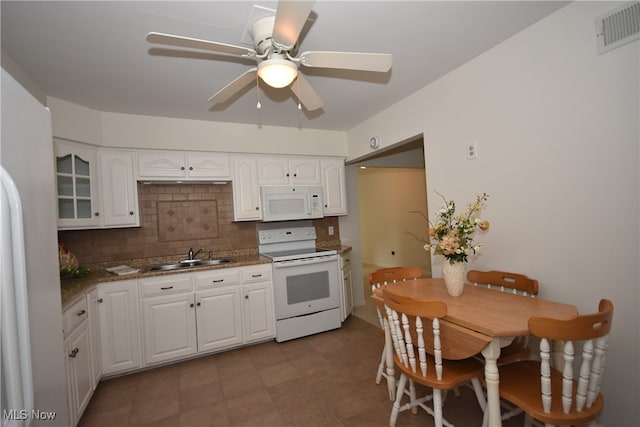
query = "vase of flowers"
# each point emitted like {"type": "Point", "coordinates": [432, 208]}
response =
{"type": "Point", "coordinates": [454, 237]}
{"type": "Point", "coordinates": [453, 275]}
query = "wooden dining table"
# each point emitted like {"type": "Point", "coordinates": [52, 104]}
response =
{"type": "Point", "coordinates": [499, 316]}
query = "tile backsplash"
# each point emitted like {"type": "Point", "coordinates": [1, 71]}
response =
{"type": "Point", "coordinates": [174, 218]}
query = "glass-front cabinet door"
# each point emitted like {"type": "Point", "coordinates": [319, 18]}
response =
{"type": "Point", "coordinates": [75, 183]}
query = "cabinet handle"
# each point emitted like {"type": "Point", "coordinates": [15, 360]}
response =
{"type": "Point", "coordinates": [198, 304]}
{"type": "Point", "coordinates": [246, 297]}
{"type": "Point", "coordinates": [191, 305]}
{"type": "Point", "coordinates": [190, 168]}
{"type": "Point", "coordinates": [182, 168]}
{"type": "Point", "coordinates": [81, 312]}
{"type": "Point", "coordinates": [97, 214]}
{"type": "Point", "coordinates": [130, 212]}
{"type": "Point", "coordinates": [217, 281]}
{"type": "Point", "coordinates": [100, 300]}
{"type": "Point", "coordinates": [166, 288]}
{"type": "Point", "coordinates": [74, 352]}
{"type": "Point", "coordinates": [255, 276]}
{"type": "Point", "coordinates": [257, 208]}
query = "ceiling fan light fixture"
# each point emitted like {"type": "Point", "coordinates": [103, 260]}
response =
{"type": "Point", "coordinates": [277, 72]}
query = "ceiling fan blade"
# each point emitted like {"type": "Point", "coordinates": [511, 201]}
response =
{"type": "Point", "coordinates": [305, 94]}
{"type": "Point", "coordinates": [379, 62]}
{"type": "Point", "coordinates": [234, 87]}
{"type": "Point", "coordinates": [190, 43]}
{"type": "Point", "coordinates": [290, 18]}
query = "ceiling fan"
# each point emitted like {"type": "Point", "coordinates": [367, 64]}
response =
{"type": "Point", "coordinates": [275, 39]}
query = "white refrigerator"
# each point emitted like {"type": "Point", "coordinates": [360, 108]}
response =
{"type": "Point", "coordinates": [31, 318]}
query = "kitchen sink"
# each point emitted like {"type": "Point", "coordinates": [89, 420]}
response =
{"type": "Point", "coordinates": [189, 264]}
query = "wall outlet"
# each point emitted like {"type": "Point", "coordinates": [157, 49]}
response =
{"type": "Point", "coordinates": [472, 151]}
{"type": "Point", "coordinates": [331, 230]}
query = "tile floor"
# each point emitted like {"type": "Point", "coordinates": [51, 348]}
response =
{"type": "Point", "coordinates": [322, 380]}
{"type": "Point", "coordinates": [326, 379]}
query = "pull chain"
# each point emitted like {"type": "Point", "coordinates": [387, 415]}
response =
{"type": "Point", "coordinates": [299, 93]}
{"type": "Point", "coordinates": [258, 105]}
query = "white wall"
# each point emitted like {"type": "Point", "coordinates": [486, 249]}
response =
{"type": "Point", "coordinates": [79, 123]}
{"type": "Point", "coordinates": [558, 132]}
{"type": "Point", "coordinates": [387, 196]}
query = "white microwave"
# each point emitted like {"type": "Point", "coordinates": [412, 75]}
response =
{"type": "Point", "coordinates": [283, 203]}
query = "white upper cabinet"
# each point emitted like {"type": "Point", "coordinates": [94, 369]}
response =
{"type": "Point", "coordinates": [119, 190]}
{"type": "Point", "coordinates": [208, 165]}
{"type": "Point", "coordinates": [288, 171]}
{"type": "Point", "coordinates": [162, 165]}
{"type": "Point", "coordinates": [76, 171]}
{"type": "Point", "coordinates": [334, 186]}
{"type": "Point", "coordinates": [246, 192]}
{"type": "Point", "coordinates": [96, 187]}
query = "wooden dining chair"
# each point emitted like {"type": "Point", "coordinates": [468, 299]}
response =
{"type": "Point", "coordinates": [554, 395]}
{"type": "Point", "coordinates": [379, 278]}
{"type": "Point", "coordinates": [514, 283]}
{"type": "Point", "coordinates": [425, 352]}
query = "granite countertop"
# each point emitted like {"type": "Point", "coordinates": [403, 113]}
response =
{"type": "Point", "coordinates": [335, 245]}
{"type": "Point", "coordinates": [73, 289]}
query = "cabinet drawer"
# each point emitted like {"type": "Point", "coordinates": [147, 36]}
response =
{"type": "Point", "coordinates": [219, 277]}
{"type": "Point", "coordinates": [75, 315]}
{"type": "Point", "coordinates": [256, 274]}
{"type": "Point", "coordinates": [166, 285]}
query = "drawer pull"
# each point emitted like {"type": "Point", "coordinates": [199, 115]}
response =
{"type": "Point", "coordinates": [81, 312]}
{"type": "Point", "coordinates": [217, 281]}
{"type": "Point", "coordinates": [255, 276]}
{"type": "Point", "coordinates": [166, 288]}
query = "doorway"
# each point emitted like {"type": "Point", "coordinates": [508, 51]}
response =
{"type": "Point", "coordinates": [392, 214]}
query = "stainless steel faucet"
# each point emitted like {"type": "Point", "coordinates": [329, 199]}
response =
{"type": "Point", "coordinates": [192, 255]}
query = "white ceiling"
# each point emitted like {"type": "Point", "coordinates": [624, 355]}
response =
{"type": "Point", "coordinates": [95, 54]}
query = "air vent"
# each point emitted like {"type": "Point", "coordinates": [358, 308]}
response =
{"type": "Point", "coordinates": [617, 27]}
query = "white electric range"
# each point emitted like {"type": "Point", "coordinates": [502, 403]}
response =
{"type": "Point", "coordinates": [305, 279]}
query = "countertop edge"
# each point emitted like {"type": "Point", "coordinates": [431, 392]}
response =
{"type": "Point", "coordinates": [73, 290]}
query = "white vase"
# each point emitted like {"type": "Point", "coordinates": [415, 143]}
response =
{"type": "Point", "coordinates": [453, 275]}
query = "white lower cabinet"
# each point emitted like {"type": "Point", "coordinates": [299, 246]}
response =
{"type": "Point", "coordinates": [169, 327]}
{"type": "Point", "coordinates": [77, 347]}
{"type": "Point", "coordinates": [94, 334]}
{"type": "Point", "coordinates": [119, 326]}
{"type": "Point", "coordinates": [168, 319]}
{"type": "Point", "coordinates": [219, 318]}
{"type": "Point", "coordinates": [258, 312]}
{"type": "Point", "coordinates": [190, 313]}
{"type": "Point", "coordinates": [159, 319]}
{"type": "Point", "coordinates": [346, 294]}
{"type": "Point", "coordinates": [257, 290]}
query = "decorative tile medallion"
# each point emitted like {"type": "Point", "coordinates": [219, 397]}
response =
{"type": "Point", "coordinates": [187, 220]}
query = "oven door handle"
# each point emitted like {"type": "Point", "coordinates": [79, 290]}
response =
{"type": "Point", "coordinates": [305, 261]}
